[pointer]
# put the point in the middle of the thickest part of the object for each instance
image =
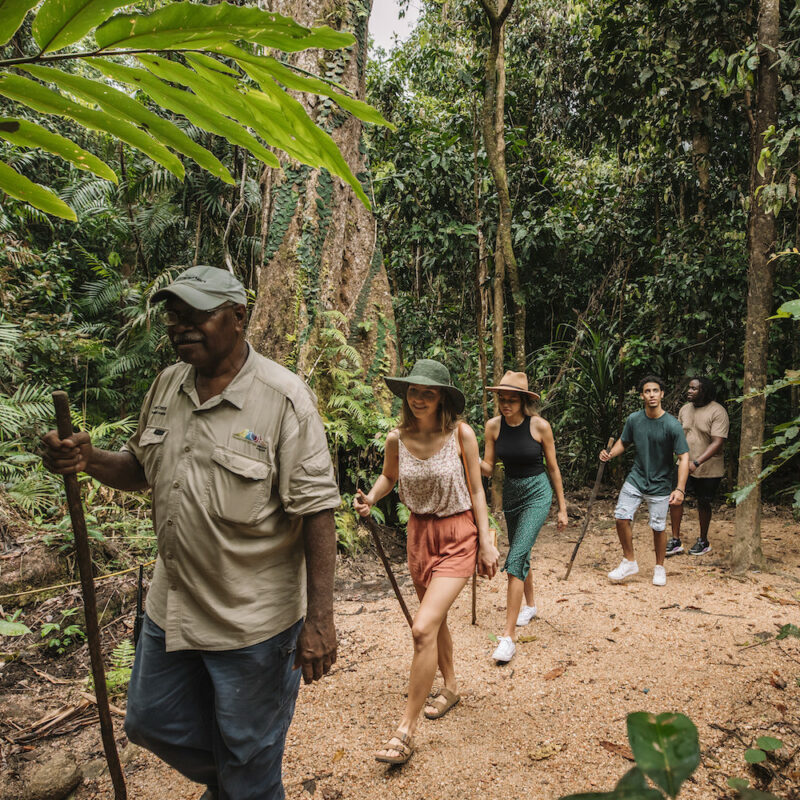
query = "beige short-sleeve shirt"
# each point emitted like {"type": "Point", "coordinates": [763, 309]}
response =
{"type": "Point", "coordinates": [231, 479]}
{"type": "Point", "coordinates": [700, 425]}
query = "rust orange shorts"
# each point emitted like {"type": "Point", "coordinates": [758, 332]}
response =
{"type": "Point", "coordinates": [445, 546]}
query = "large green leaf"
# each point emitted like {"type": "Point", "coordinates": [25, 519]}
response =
{"type": "Point", "coordinates": [289, 115]}
{"type": "Point", "coordinates": [12, 12]}
{"type": "Point", "coordinates": [195, 26]}
{"type": "Point", "coordinates": [62, 22]}
{"type": "Point", "coordinates": [46, 101]}
{"type": "Point", "coordinates": [221, 92]}
{"type": "Point", "coordinates": [295, 115]}
{"type": "Point", "coordinates": [190, 106]}
{"type": "Point", "coordinates": [666, 747]}
{"type": "Point", "coordinates": [23, 133]}
{"type": "Point", "coordinates": [125, 107]}
{"type": "Point", "coordinates": [11, 182]}
{"type": "Point", "coordinates": [301, 83]}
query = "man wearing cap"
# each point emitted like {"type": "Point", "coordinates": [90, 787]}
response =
{"type": "Point", "coordinates": [241, 600]}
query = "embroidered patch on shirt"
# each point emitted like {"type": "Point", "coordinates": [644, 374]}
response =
{"type": "Point", "coordinates": [248, 436]}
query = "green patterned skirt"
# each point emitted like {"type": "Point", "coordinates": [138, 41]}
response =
{"type": "Point", "coordinates": [526, 504]}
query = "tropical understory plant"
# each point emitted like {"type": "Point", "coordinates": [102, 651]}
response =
{"type": "Point", "coordinates": [784, 444]}
{"type": "Point", "coordinates": [666, 748]}
{"type": "Point", "coordinates": [203, 62]}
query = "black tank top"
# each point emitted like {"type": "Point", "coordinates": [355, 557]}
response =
{"type": "Point", "coordinates": [520, 453]}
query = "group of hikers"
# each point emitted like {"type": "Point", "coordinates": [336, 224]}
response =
{"type": "Point", "coordinates": [243, 497]}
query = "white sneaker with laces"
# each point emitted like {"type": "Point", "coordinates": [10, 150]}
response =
{"type": "Point", "coordinates": [505, 650]}
{"type": "Point", "coordinates": [624, 570]}
{"type": "Point", "coordinates": [659, 576]}
{"type": "Point", "coordinates": [526, 614]}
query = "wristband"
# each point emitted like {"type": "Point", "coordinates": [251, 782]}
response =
{"type": "Point", "coordinates": [696, 463]}
{"type": "Point", "coordinates": [681, 491]}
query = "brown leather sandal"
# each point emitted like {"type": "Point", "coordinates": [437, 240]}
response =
{"type": "Point", "coordinates": [443, 701]}
{"type": "Point", "coordinates": [404, 748]}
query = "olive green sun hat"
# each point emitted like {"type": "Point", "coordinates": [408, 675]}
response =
{"type": "Point", "coordinates": [204, 288]}
{"type": "Point", "coordinates": [427, 372]}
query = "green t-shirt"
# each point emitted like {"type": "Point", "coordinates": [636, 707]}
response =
{"type": "Point", "coordinates": [655, 440]}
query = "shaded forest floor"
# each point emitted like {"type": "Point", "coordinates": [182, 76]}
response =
{"type": "Point", "coordinates": [550, 722]}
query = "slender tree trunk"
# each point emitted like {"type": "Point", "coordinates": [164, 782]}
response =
{"type": "Point", "coordinates": [321, 253]}
{"type": "Point", "coordinates": [700, 150]}
{"type": "Point", "coordinates": [481, 268]}
{"type": "Point", "coordinates": [746, 551]}
{"type": "Point", "coordinates": [493, 127]}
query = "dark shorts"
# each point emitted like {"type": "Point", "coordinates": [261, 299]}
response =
{"type": "Point", "coordinates": [703, 489]}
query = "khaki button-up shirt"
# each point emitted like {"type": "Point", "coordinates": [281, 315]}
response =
{"type": "Point", "coordinates": [231, 479]}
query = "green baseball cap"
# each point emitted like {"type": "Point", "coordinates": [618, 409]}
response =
{"type": "Point", "coordinates": [427, 372]}
{"type": "Point", "coordinates": [204, 288]}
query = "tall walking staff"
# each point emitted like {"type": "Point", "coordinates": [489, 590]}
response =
{"type": "Point", "coordinates": [373, 529]}
{"type": "Point", "coordinates": [585, 525]}
{"type": "Point", "coordinates": [64, 425]}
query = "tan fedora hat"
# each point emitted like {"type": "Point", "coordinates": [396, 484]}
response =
{"type": "Point", "coordinates": [513, 382]}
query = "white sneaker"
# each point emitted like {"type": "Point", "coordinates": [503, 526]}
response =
{"type": "Point", "coordinates": [624, 570]}
{"type": "Point", "coordinates": [526, 614]}
{"type": "Point", "coordinates": [659, 576]}
{"type": "Point", "coordinates": [505, 650]}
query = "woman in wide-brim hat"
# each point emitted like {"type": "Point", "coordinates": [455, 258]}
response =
{"type": "Point", "coordinates": [423, 455]}
{"type": "Point", "coordinates": [523, 440]}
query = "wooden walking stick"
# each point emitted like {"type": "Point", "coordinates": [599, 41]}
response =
{"type": "Point", "coordinates": [373, 529]}
{"type": "Point", "coordinates": [64, 425]}
{"type": "Point", "coordinates": [592, 496]}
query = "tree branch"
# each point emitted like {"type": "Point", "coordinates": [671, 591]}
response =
{"type": "Point", "coordinates": [506, 11]}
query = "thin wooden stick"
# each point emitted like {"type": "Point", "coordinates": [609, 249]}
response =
{"type": "Point", "coordinates": [373, 529]}
{"type": "Point", "coordinates": [585, 526]}
{"type": "Point", "coordinates": [84, 558]}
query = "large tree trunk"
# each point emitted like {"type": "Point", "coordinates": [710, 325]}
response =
{"type": "Point", "coordinates": [746, 551]}
{"type": "Point", "coordinates": [320, 251]}
{"type": "Point", "coordinates": [493, 126]}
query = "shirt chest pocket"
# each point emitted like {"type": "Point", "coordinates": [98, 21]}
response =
{"type": "Point", "coordinates": [239, 487]}
{"type": "Point", "coordinates": [151, 449]}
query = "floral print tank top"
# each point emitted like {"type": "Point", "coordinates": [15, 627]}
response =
{"type": "Point", "coordinates": [434, 485]}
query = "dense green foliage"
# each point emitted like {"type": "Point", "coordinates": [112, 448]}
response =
{"type": "Point", "coordinates": [628, 159]}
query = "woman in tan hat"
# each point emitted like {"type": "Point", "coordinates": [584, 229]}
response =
{"type": "Point", "coordinates": [445, 529]}
{"type": "Point", "coordinates": [523, 441]}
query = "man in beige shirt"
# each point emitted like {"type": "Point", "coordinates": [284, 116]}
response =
{"type": "Point", "coordinates": [705, 423]}
{"type": "Point", "coordinates": [241, 601]}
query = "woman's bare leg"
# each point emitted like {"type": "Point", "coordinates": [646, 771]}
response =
{"type": "Point", "coordinates": [529, 589]}
{"type": "Point", "coordinates": [513, 605]}
{"type": "Point", "coordinates": [428, 622]}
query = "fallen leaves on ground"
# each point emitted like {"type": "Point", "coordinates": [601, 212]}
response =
{"type": "Point", "coordinates": [618, 749]}
{"type": "Point", "coordinates": [554, 673]}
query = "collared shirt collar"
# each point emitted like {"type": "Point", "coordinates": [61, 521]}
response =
{"type": "Point", "coordinates": [235, 392]}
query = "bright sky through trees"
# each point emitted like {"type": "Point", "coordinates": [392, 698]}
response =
{"type": "Point", "coordinates": [384, 22]}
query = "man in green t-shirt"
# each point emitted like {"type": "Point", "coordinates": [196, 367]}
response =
{"type": "Point", "coordinates": [658, 437]}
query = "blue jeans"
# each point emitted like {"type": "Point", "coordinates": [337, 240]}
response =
{"type": "Point", "coordinates": [218, 717]}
